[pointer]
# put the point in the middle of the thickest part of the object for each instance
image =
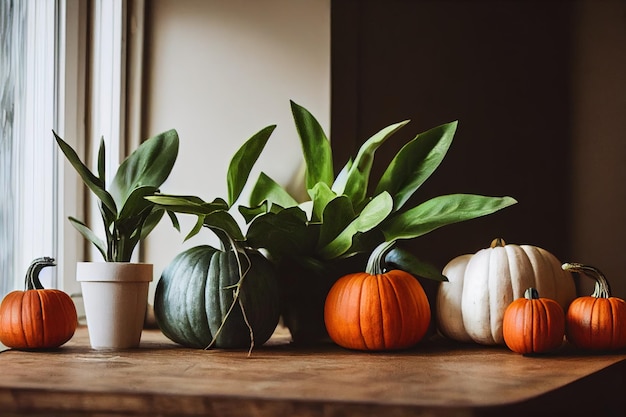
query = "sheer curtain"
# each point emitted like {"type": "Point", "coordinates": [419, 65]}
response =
{"type": "Point", "coordinates": [45, 48]}
{"type": "Point", "coordinates": [33, 62]}
{"type": "Point", "coordinates": [12, 17]}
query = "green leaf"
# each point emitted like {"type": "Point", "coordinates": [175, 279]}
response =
{"type": "Point", "coordinates": [340, 182]}
{"type": "Point", "coordinates": [321, 195]}
{"type": "Point", "coordinates": [137, 202]}
{"type": "Point", "coordinates": [95, 184]}
{"type": "Point", "coordinates": [187, 204]}
{"type": "Point", "coordinates": [90, 236]}
{"type": "Point", "coordinates": [415, 162]}
{"type": "Point", "coordinates": [441, 211]}
{"type": "Point", "coordinates": [173, 219]}
{"type": "Point", "coordinates": [285, 232]}
{"type": "Point", "coordinates": [357, 179]}
{"type": "Point", "coordinates": [336, 217]}
{"type": "Point", "coordinates": [375, 212]}
{"type": "Point", "coordinates": [222, 220]}
{"type": "Point", "coordinates": [266, 189]}
{"type": "Point", "coordinates": [250, 213]}
{"type": "Point", "coordinates": [196, 228]}
{"type": "Point", "coordinates": [315, 147]}
{"type": "Point", "coordinates": [102, 162]}
{"type": "Point", "coordinates": [151, 222]}
{"type": "Point", "coordinates": [398, 258]}
{"type": "Point", "coordinates": [149, 165]}
{"type": "Point", "coordinates": [243, 161]}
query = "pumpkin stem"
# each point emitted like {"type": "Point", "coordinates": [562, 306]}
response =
{"type": "Point", "coordinates": [602, 288]}
{"type": "Point", "coordinates": [376, 263]}
{"type": "Point", "coordinates": [32, 281]}
{"type": "Point", "coordinates": [531, 294]}
{"type": "Point", "coordinates": [230, 244]}
{"type": "Point", "coordinates": [498, 242]}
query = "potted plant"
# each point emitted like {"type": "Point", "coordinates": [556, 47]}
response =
{"type": "Point", "coordinates": [315, 242]}
{"type": "Point", "coordinates": [115, 291]}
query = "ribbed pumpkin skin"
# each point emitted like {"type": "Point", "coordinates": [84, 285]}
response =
{"type": "Point", "coordinates": [37, 319]}
{"type": "Point", "coordinates": [470, 306]}
{"type": "Point", "coordinates": [533, 325]}
{"type": "Point", "coordinates": [193, 296]}
{"type": "Point", "coordinates": [386, 311]}
{"type": "Point", "coordinates": [595, 323]}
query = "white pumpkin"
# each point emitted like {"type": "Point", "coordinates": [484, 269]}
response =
{"type": "Point", "coordinates": [470, 306]}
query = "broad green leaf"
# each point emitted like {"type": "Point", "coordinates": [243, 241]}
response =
{"type": "Point", "coordinates": [336, 217]}
{"type": "Point", "coordinates": [415, 162]}
{"type": "Point", "coordinates": [441, 211]}
{"type": "Point", "coordinates": [375, 212]}
{"type": "Point", "coordinates": [358, 175]}
{"type": "Point", "coordinates": [196, 228]}
{"type": "Point", "coordinates": [243, 161]}
{"type": "Point", "coordinates": [315, 147]}
{"type": "Point", "coordinates": [340, 182]}
{"type": "Point", "coordinates": [250, 213]}
{"type": "Point", "coordinates": [222, 220]}
{"type": "Point", "coordinates": [151, 222]}
{"type": "Point", "coordinates": [285, 232]}
{"type": "Point", "coordinates": [137, 202]}
{"type": "Point", "coordinates": [187, 204]}
{"type": "Point", "coordinates": [149, 165]}
{"type": "Point", "coordinates": [398, 258]}
{"type": "Point", "coordinates": [266, 189]}
{"type": "Point", "coordinates": [95, 184]}
{"type": "Point", "coordinates": [321, 195]}
{"type": "Point", "coordinates": [90, 236]}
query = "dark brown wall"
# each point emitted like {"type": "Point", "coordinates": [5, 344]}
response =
{"type": "Point", "coordinates": [501, 68]}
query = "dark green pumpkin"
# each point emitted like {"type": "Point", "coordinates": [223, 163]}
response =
{"type": "Point", "coordinates": [196, 290]}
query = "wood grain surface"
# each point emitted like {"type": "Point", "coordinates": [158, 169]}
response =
{"type": "Point", "coordinates": [437, 377]}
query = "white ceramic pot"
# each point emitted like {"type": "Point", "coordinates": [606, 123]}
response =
{"type": "Point", "coordinates": [115, 295]}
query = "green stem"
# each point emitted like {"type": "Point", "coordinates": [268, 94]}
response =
{"type": "Point", "coordinates": [375, 263]}
{"type": "Point", "coordinates": [602, 288]}
{"type": "Point", "coordinates": [32, 281]}
{"type": "Point", "coordinates": [228, 244]}
{"type": "Point", "coordinates": [531, 294]}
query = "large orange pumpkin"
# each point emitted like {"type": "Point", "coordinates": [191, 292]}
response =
{"type": "Point", "coordinates": [598, 321]}
{"type": "Point", "coordinates": [37, 318]}
{"type": "Point", "coordinates": [377, 310]}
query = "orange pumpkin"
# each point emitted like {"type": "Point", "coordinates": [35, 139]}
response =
{"type": "Point", "coordinates": [37, 318]}
{"type": "Point", "coordinates": [598, 321]}
{"type": "Point", "coordinates": [533, 325]}
{"type": "Point", "coordinates": [377, 310]}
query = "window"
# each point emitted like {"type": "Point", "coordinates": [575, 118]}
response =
{"type": "Point", "coordinates": [27, 177]}
{"type": "Point", "coordinates": [43, 79]}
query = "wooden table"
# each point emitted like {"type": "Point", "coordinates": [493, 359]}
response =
{"type": "Point", "coordinates": [436, 378]}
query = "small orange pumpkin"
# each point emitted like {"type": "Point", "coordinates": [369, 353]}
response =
{"type": "Point", "coordinates": [37, 318]}
{"type": "Point", "coordinates": [533, 325]}
{"type": "Point", "coordinates": [377, 310]}
{"type": "Point", "coordinates": [598, 321]}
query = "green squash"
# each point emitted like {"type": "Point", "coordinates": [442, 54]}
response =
{"type": "Point", "coordinates": [197, 289]}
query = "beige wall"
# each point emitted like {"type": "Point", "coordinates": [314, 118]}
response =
{"type": "Point", "coordinates": [599, 131]}
{"type": "Point", "coordinates": [219, 71]}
